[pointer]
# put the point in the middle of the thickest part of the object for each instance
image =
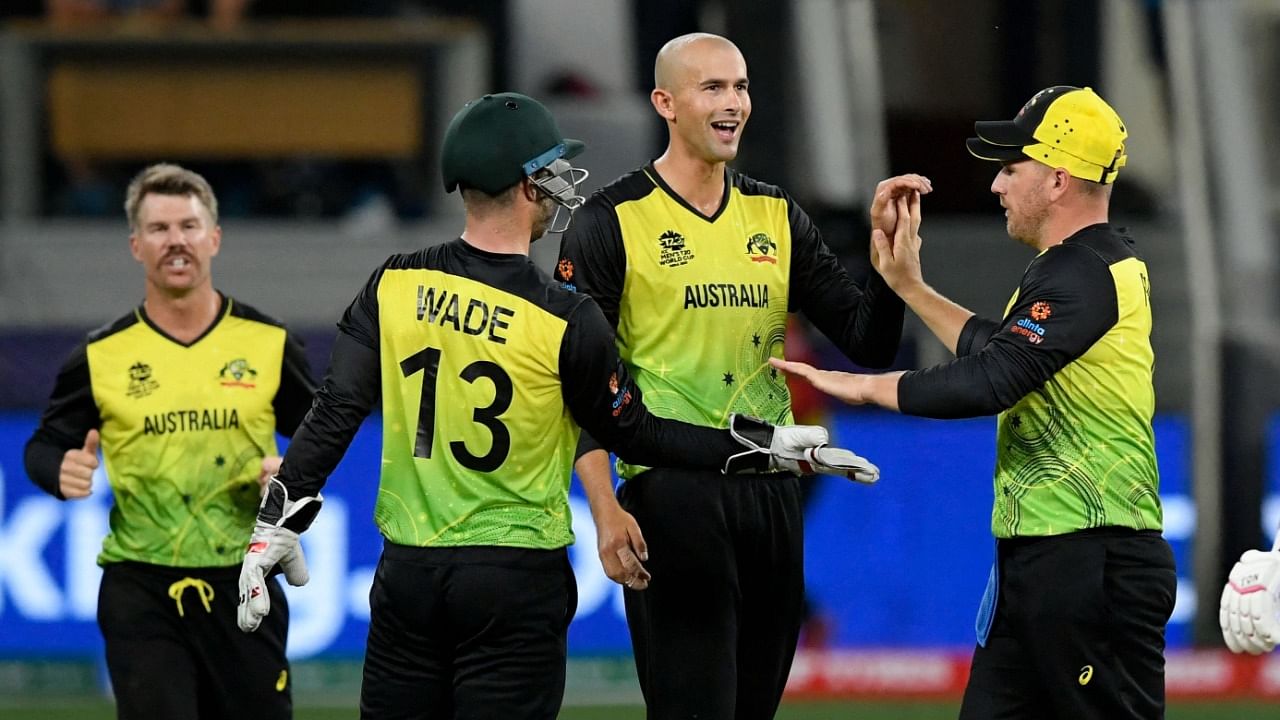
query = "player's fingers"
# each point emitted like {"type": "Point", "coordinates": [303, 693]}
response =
{"type": "Point", "coordinates": [270, 466]}
{"type": "Point", "coordinates": [76, 468]}
{"type": "Point", "coordinates": [635, 576]}
{"type": "Point", "coordinates": [636, 539]}
{"type": "Point", "coordinates": [905, 183]}
{"type": "Point", "coordinates": [257, 603]}
{"type": "Point", "coordinates": [91, 439]}
{"type": "Point", "coordinates": [82, 461]}
{"type": "Point", "coordinates": [74, 482]}
{"type": "Point", "coordinates": [1259, 607]}
{"type": "Point", "coordinates": [1244, 618]}
{"type": "Point", "coordinates": [880, 244]}
{"type": "Point", "coordinates": [793, 367]}
{"type": "Point", "coordinates": [610, 562]}
{"type": "Point", "coordinates": [1229, 636]}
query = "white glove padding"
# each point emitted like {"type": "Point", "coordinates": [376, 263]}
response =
{"type": "Point", "coordinates": [799, 449]}
{"type": "Point", "coordinates": [268, 546]}
{"type": "Point", "coordinates": [1249, 613]}
{"type": "Point", "coordinates": [274, 541]}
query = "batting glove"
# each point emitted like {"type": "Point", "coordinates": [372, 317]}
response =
{"type": "Point", "coordinates": [274, 541]}
{"type": "Point", "coordinates": [798, 449]}
{"type": "Point", "coordinates": [1249, 613]}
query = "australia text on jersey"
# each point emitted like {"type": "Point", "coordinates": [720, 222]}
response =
{"type": "Point", "coordinates": [446, 307]}
{"type": "Point", "coordinates": [191, 421]}
{"type": "Point", "coordinates": [726, 295]}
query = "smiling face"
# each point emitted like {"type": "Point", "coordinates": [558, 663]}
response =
{"type": "Point", "coordinates": [702, 93]}
{"type": "Point", "coordinates": [175, 241]}
{"type": "Point", "coordinates": [1023, 189]}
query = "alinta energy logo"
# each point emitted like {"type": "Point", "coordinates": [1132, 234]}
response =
{"type": "Point", "coordinates": [237, 373]}
{"type": "Point", "coordinates": [759, 246]}
{"type": "Point", "coordinates": [672, 250]}
{"type": "Point", "coordinates": [141, 384]}
{"type": "Point", "coordinates": [1040, 311]}
{"type": "Point", "coordinates": [621, 395]}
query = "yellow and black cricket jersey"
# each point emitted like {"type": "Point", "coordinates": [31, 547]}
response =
{"type": "Point", "coordinates": [485, 368]}
{"type": "Point", "coordinates": [700, 302]}
{"type": "Point", "coordinates": [1069, 372]}
{"type": "Point", "coordinates": [184, 428]}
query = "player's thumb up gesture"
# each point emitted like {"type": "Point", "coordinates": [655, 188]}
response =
{"type": "Point", "coordinates": [75, 476]}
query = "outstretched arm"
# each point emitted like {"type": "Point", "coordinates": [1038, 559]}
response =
{"type": "Point", "coordinates": [853, 388]}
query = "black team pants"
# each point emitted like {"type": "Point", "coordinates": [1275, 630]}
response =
{"type": "Point", "coordinates": [1079, 629]}
{"type": "Point", "coordinates": [715, 633]}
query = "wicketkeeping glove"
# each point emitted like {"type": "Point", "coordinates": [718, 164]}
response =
{"type": "Point", "coordinates": [1249, 613]}
{"type": "Point", "coordinates": [800, 449]}
{"type": "Point", "coordinates": [274, 540]}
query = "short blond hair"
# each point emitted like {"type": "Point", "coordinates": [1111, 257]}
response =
{"type": "Point", "coordinates": [168, 179]}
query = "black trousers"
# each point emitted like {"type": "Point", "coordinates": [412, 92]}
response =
{"type": "Point", "coordinates": [715, 633]}
{"type": "Point", "coordinates": [174, 650]}
{"type": "Point", "coordinates": [1079, 629]}
{"type": "Point", "coordinates": [467, 633]}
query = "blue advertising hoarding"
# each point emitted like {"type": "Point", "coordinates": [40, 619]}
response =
{"type": "Point", "coordinates": [899, 564]}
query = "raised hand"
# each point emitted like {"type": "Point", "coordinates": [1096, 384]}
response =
{"type": "Point", "coordinates": [884, 209]}
{"type": "Point", "coordinates": [897, 258]}
{"type": "Point", "coordinates": [75, 475]}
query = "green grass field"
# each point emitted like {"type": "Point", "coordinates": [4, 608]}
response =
{"type": "Point", "coordinates": [97, 710]}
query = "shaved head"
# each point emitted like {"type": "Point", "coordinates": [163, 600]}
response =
{"type": "Point", "coordinates": [681, 54]}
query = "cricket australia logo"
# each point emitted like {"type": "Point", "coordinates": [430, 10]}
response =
{"type": "Point", "coordinates": [759, 247]}
{"type": "Point", "coordinates": [237, 373]}
{"type": "Point", "coordinates": [672, 250]}
{"type": "Point", "coordinates": [140, 382]}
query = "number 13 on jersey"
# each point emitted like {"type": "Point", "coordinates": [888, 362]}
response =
{"type": "Point", "coordinates": [427, 362]}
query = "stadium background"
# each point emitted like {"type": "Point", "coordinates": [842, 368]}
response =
{"type": "Point", "coordinates": [318, 133]}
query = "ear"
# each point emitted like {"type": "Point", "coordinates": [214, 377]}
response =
{"type": "Point", "coordinates": [1058, 181]}
{"type": "Point", "coordinates": [664, 103]}
{"type": "Point", "coordinates": [215, 240]}
{"type": "Point", "coordinates": [529, 190]}
{"type": "Point", "coordinates": [133, 246]}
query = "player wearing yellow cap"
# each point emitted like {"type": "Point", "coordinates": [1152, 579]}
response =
{"type": "Point", "coordinates": [1072, 623]}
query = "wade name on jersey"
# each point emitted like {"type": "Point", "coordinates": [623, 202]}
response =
{"type": "Point", "coordinates": [438, 304]}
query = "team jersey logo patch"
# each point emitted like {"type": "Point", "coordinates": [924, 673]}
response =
{"type": "Point", "coordinates": [759, 247]}
{"type": "Point", "coordinates": [621, 395]}
{"type": "Point", "coordinates": [564, 273]}
{"type": "Point", "coordinates": [141, 383]}
{"type": "Point", "coordinates": [564, 269]}
{"type": "Point", "coordinates": [237, 373]}
{"type": "Point", "coordinates": [672, 250]}
{"type": "Point", "coordinates": [1040, 311]}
